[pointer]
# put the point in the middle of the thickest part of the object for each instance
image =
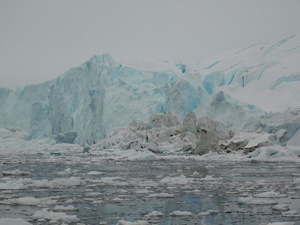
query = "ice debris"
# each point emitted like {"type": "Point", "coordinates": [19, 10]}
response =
{"type": "Point", "coordinates": [139, 222]}
{"type": "Point", "coordinates": [270, 194]}
{"type": "Point", "coordinates": [279, 223]}
{"type": "Point", "coordinates": [16, 172]}
{"type": "Point", "coordinates": [28, 201]}
{"type": "Point", "coordinates": [256, 201]}
{"type": "Point", "coordinates": [13, 221]}
{"type": "Point", "coordinates": [55, 216]}
{"type": "Point", "coordinates": [65, 208]}
{"type": "Point", "coordinates": [164, 134]}
{"type": "Point", "coordinates": [176, 180]}
{"type": "Point", "coordinates": [181, 213]}
{"type": "Point", "coordinates": [154, 214]}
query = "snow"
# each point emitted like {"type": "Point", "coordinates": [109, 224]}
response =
{"type": "Point", "coordinates": [260, 66]}
{"type": "Point", "coordinates": [153, 65]}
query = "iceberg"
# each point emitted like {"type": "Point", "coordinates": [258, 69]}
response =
{"type": "Point", "coordinates": [251, 89]}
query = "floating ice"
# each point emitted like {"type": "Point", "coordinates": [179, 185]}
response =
{"type": "Point", "coordinates": [16, 172]}
{"type": "Point", "coordinates": [139, 222]}
{"type": "Point", "coordinates": [154, 214]}
{"type": "Point", "coordinates": [13, 221]}
{"type": "Point", "coordinates": [12, 185]}
{"type": "Point", "coordinates": [256, 201]}
{"type": "Point", "coordinates": [270, 194]}
{"type": "Point", "coordinates": [208, 212]}
{"type": "Point", "coordinates": [55, 216]}
{"type": "Point", "coordinates": [23, 201]}
{"type": "Point", "coordinates": [278, 223]}
{"type": "Point", "coordinates": [66, 172]}
{"type": "Point", "coordinates": [282, 207]}
{"type": "Point", "coordinates": [176, 180]}
{"type": "Point", "coordinates": [72, 181]}
{"type": "Point", "coordinates": [64, 208]}
{"type": "Point", "coordinates": [94, 173]}
{"type": "Point", "coordinates": [210, 178]}
{"type": "Point", "coordinates": [161, 195]}
{"type": "Point", "coordinates": [181, 213]}
{"type": "Point", "coordinates": [297, 181]}
{"type": "Point", "coordinates": [291, 213]}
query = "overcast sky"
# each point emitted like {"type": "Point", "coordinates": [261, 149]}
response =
{"type": "Point", "coordinates": [41, 39]}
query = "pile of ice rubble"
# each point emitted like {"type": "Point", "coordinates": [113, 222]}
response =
{"type": "Point", "coordinates": [163, 134]}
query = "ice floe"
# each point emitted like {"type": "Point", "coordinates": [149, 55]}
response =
{"type": "Point", "coordinates": [154, 214]}
{"type": "Point", "coordinates": [13, 221]}
{"type": "Point", "coordinates": [161, 195]}
{"type": "Point", "coordinates": [29, 201]}
{"type": "Point", "coordinates": [55, 216]}
{"type": "Point", "coordinates": [94, 173]}
{"type": "Point", "coordinates": [65, 208]}
{"type": "Point", "coordinates": [181, 213]}
{"type": "Point", "coordinates": [256, 201]}
{"type": "Point", "coordinates": [139, 222]}
{"type": "Point", "coordinates": [16, 172]}
{"type": "Point", "coordinates": [176, 180]}
{"type": "Point", "coordinates": [270, 194]}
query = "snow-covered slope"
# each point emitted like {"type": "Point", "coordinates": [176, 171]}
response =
{"type": "Point", "coordinates": [88, 102]}
{"type": "Point", "coordinates": [265, 75]}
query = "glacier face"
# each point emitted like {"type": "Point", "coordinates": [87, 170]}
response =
{"type": "Point", "coordinates": [93, 99]}
{"type": "Point", "coordinates": [238, 88]}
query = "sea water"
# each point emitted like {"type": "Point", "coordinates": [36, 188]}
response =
{"type": "Point", "coordinates": [164, 191]}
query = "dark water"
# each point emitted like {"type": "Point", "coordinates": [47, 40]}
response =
{"type": "Point", "coordinates": [130, 190]}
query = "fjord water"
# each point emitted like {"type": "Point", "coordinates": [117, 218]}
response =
{"type": "Point", "coordinates": [169, 191]}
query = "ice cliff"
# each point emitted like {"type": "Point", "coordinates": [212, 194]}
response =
{"type": "Point", "coordinates": [255, 88]}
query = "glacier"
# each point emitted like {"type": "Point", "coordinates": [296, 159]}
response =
{"type": "Point", "coordinates": [250, 89]}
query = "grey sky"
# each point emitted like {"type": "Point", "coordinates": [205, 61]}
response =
{"type": "Point", "coordinates": [41, 39]}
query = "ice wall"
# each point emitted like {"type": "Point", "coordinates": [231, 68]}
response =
{"type": "Point", "coordinates": [89, 101]}
{"type": "Point", "coordinates": [96, 97]}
